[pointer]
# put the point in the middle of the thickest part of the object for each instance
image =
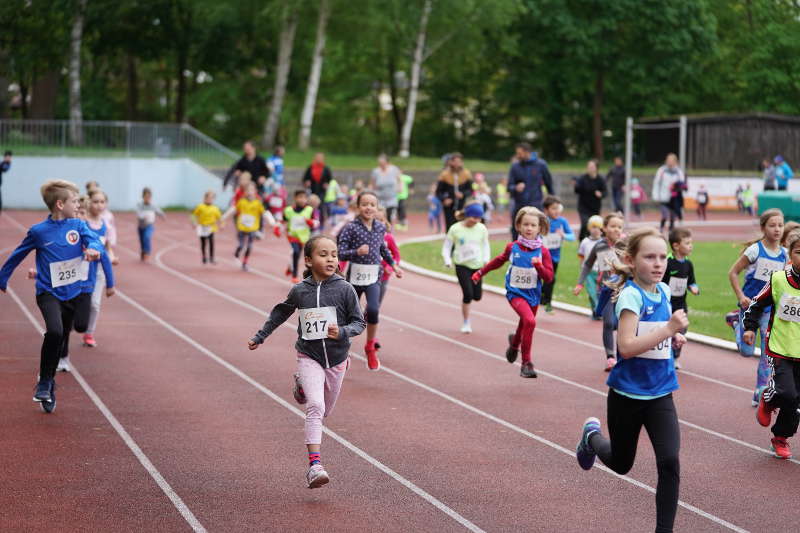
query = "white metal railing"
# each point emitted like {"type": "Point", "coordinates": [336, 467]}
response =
{"type": "Point", "coordinates": [112, 139]}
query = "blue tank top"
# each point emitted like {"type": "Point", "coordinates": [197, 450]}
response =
{"type": "Point", "coordinates": [522, 279]}
{"type": "Point", "coordinates": [761, 270]}
{"type": "Point", "coordinates": [91, 279]}
{"type": "Point", "coordinates": [653, 372]}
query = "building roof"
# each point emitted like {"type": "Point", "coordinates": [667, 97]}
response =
{"type": "Point", "coordinates": [699, 118]}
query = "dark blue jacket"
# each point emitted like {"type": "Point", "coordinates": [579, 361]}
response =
{"type": "Point", "coordinates": [533, 173]}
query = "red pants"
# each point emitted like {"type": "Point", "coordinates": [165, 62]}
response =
{"type": "Point", "coordinates": [527, 323]}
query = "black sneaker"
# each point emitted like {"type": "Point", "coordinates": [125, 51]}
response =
{"type": "Point", "coordinates": [43, 391]}
{"type": "Point", "coordinates": [49, 406]}
{"type": "Point", "coordinates": [527, 370]}
{"type": "Point", "coordinates": [511, 353]}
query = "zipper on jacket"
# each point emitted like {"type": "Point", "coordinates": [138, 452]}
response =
{"type": "Point", "coordinates": [324, 349]}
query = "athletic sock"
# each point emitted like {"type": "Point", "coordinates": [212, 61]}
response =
{"type": "Point", "coordinates": [313, 458]}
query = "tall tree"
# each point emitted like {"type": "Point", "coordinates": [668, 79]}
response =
{"type": "Point", "coordinates": [307, 116]}
{"type": "Point", "coordinates": [284, 64]}
{"type": "Point", "coordinates": [416, 69]}
{"type": "Point", "coordinates": [75, 110]}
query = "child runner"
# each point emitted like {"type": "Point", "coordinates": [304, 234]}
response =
{"type": "Point", "coordinates": [146, 214]}
{"type": "Point", "coordinates": [338, 212]}
{"type": "Point", "coordinates": [406, 189]}
{"type": "Point", "coordinates": [638, 196]}
{"type": "Point", "coordinates": [530, 267]}
{"type": "Point", "coordinates": [434, 210]}
{"type": "Point", "coordinates": [702, 202]}
{"type": "Point", "coordinates": [108, 218]}
{"type": "Point", "coordinates": [759, 260]}
{"type": "Point", "coordinates": [250, 215]}
{"type": "Point", "coordinates": [329, 314]}
{"type": "Point", "coordinates": [595, 227]}
{"type": "Point", "coordinates": [604, 255]}
{"type": "Point", "coordinates": [316, 214]}
{"type": "Point", "coordinates": [502, 195]}
{"type": "Point", "coordinates": [679, 275]}
{"type": "Point", "coordinates": [642, 382]}
{"type": "Point", "coordinates": [393, 249]}
{"type": "Point", "coordinates": [468, 241]}
{"type": "Point", "coordinates": [783, 348]}
{"type": "Point", "coordinates": [559, 232]}
{"type": "Point", "coordinates": [275, 200]}
{"type": "Point", "coordinates": [299, 219]}
{"type": "Point", "coordinates": [205, 218]}
{"type": "Point", "coordinates": [99, 280]}
{"type": "Point", "coordinates": [62, 242]}
{"type": "Point", "coordinates": [361, 242]}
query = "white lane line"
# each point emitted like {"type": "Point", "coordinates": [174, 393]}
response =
{"type": "Point", "coordinates": [148, 465]}
{"type": "Point", "coordinates": [341, 440]}
{"type": "Point", "coordinates": [445, 396]}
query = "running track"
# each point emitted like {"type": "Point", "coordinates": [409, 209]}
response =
{"type": "Point", "coordinates": [185, 429]}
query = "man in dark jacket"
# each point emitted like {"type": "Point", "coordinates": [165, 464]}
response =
{"type": "Point", "coordinates": [616, 178]}
{"type": "Point", "coordinates": [591, 189]}
{"type": "Point", "coordinates": [525, 180]}
{"type": "Point", "coordinates": [249, 162]}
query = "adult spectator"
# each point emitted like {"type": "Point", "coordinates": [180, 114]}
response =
{"type": "Point", "coordinates": [249, 162]}
{"type": "Point", "coordinates": [385, 181]}
{"type": "Point", "coordinates": [4, 167]}
{"type": "Point", "coordinates": [275, 164]}
{"type": "Point", "coordinates": [616, 179]}
{"type": "Point", "coordinates": [316, 179]}
{"type": "Point", "coordinates": [664, 185]}
{"type": "Point", "coordinates": [527, 176]}
{"type": "Point", "coordinates": [783, 173]}
{"type": "Point", "coordinates": [591, 189]}
{"type": "Point", "coordinates": [768, 170]}
{"type": "Point", "coordinates": [453, 187]}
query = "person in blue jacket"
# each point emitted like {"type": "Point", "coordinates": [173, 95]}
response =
{"type": "Point", "coordinates": [783, 173]}
{"type": "Point", "coordinates": [560, 231]}
{"type": "Point", "coordinates": [528, 175]}
{"type": "Point", "coordinates": [64, 245]}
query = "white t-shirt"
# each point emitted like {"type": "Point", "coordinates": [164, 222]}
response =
{"type": "Point", "coordinates": [751, 253]}
{"type": "Point", "coordinates": [585, 249]}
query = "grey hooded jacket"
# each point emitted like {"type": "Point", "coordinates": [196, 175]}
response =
{"type": "Point", "coordinates": [333, 292]}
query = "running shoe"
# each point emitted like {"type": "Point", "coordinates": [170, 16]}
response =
{"type": "Point", "coordinates": [298, 392]}
{"type": "Point", "coordinates": [527, 370]}
{"type": "Point", "coordinates": [63, 365]}
{"type": "Point", "coordinates": [732, 318]}
{"type": "Point", "coordinates": [584, 451]}
{"type": "Point", "coordinates": [466, 327]}
{"type": "Point", "coordinates": [43, 392]}
{"type": "Point", "coordinates": [258, 235]}
{"type": "Point", "coordinates": [288, 272]}
{"type": "Point", "coordinates": [245, 267]}
{"type": "Point", "coordinates": [549, 309]}
{"type": "Point", "coordinates": [316, 476]}
{"type": "Point", "coordinates": [372, 356]}
{"type": "Point", "coordinates": [611, 362]}
{"type": "Point", "coordinates": [781, 448]}
{"type": "Point", "coordinates": [764, 412]}
{"type": "Point", "coordinates": [88, 340]}
{"type": "Point", "coordinates": [295, 280]}
{"type": "Point", "coordinates": [677, 365]}
{"type": "Point", "coordinates": [511, 352]}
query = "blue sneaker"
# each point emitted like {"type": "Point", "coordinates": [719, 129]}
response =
{"type": "Point", "coordinates": [43, 391]}
{"type": "Point", "coordinates": [584, 451]}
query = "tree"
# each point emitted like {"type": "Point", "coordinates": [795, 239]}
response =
{"type": "Point", "coordinates": [75, 112]}
{"type": "Point", "coordinates": [284, 64]}
{"type": "Point", "coordinates": [307, 116]}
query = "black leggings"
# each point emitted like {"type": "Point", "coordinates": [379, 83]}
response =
{"type": "Point", "coordinates": [245, 243]}
{"type": "Point", "coordinates": [547, 288]}
{"type": "Point", "coordinates": [626, 417]}
{"type": "Point", "coordinates": [401, 211]}
{"type": "Point", "coordinates": [783, 392]}
{"type": "Point", "coordinates": [210, 240]}
{"type": "Point", "coordinates": [469, 290]}
{"type": "Point", "coordinates": [297, 250]}
{"type": "Point", "coordinates": [59, 319]}
{"type": "Point", "coordinates": [373, 293]}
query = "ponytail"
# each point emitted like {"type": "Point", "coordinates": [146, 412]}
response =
{"type": "Point", "coordinates": [628, 247]}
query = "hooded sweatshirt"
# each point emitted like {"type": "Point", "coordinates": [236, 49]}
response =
{"type": "Point", "coordinates": [308, 294]}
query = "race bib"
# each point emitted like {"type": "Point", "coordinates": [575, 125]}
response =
{"type": "Point", "coordinates": [68, 272]}
{"type": "Point", "coordinates": [765, 267]}
{"type": "Point", "coordinates": [552, 241]}
{"type": "Point", "coordinates": [789, 308]}
{"type": "Point", "coordinates": [276, 202]}
{"type": "Point", "coordinates": [363, 274]}
{"type": "Point", "coordinates": [660, 350]}
{"type": "Point", "coordinates": [148, 217]}
{"type": "Point", "coordinates": [635, 195]}
{"type": "Point", "coordinates": [248, 221]}
{"type": "Point", "coordinates": [469, 251]}
{"type": "Point", "coordinates": [677, 286]}
{"type": "Point", "coordinates": [298, 223]}
{"type": "Point", "coordinates": [314, 322]}
{"type": "Point", "coordinates": [605, 260]}
{"type": "Point", "coordinates": [204, 231]}
{"type": "Point", "coordinates": [523, 278]}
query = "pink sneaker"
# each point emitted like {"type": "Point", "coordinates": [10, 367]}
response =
{"type": "Point", "coordinates": [88, 340]}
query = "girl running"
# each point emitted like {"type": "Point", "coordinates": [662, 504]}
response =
{"type": "Point", "coordinates": [530, 267]}
{"type": "Point", "coordinates": [299, 219]}
{"type": "Point", "coordinates": [643, 379]}
{"type": "Point", "coordinates": [100, 280]}
{"type": "Point", "coordinates": [759, 260]}
{"type": "Point", "coordinates": [361, 242]}
{"type": "Point", "coordinates": [595, 228]}
{"type": "Point", "coordinates": [205, 218]}
{"type": "Point", "coordinates": [604, 254]}
{"type": "Point", "coordinates": [468, 241]}
{"type": "Point", "coordinates": [393, 249]}
{"type": "Point", "coordinates": [146, 214]}
{"type": "Point", "coordinates": [250, 215]}
{"type": "Point", "coordinates": [783, 348]}
{"type": "Point", "coordinates": [329, 314]}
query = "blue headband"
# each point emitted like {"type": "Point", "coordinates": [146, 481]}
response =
{"type": "Point", "coordinates": [474, 210]}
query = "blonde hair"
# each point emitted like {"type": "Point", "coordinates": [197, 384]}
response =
{"type": "Point", "coordinates": [544, 224]}
{"type": "Point", "coordinates": [94, 191]}
{"type": "Point", "coordinates": [792, 239]}
{"type": "Point", "coordinates": [762, 223]}
{"type": "Point", "coordinates": [55, 190]}
{"type": "Point", "coordinates": [83, 201]}
{"type": "Point", "coordinates": [607, 219]}
{"type": "Point", "coordinates": [629, 248]}
{"type": "Point", "coordinates": [91, 185]}
{"type": "Point", "coordinates": [788, 228]}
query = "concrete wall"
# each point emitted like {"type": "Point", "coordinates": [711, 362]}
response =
{"type": "Point", "coordinates": [174, 182]}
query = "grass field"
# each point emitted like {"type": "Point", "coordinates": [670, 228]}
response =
{"type": "Point", "coordinates": [706, 312]}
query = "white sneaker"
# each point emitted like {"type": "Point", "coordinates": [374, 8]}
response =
{"type": "Point", "coordinates": [677, 365]}
{"type": "Point", "coordinates": [316, 476]}
{"type": "Point", "coordinates": [63, 365]}
{"type": "Point", "coordinates": [466, 327]}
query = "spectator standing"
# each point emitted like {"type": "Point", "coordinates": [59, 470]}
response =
{"type": "Point", "coordinates": [783, 173]}
{"type": "Point", "coordinates": [616, 178]}
{"type": "Point", "coordinates": [385, 181]}
{"type": "Point", "coordinates": [249, 162]}
{"type": "Point", "coordinates": [275, 165]}
{"type": "Point", "coordinates": [769, 172]}
{"type": "Point", "coordinates": [453, 188]}
{"type": "Point", "coordinates": [591, 189]}
{"type": "Point", "coordinates": [316, 179]}
{"type": "Point", "coordinates": [526, 178]}
{"type": "Point", "coordinates": [666, 176]}
{"type": "Point", "coordinates": [702, 202]}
